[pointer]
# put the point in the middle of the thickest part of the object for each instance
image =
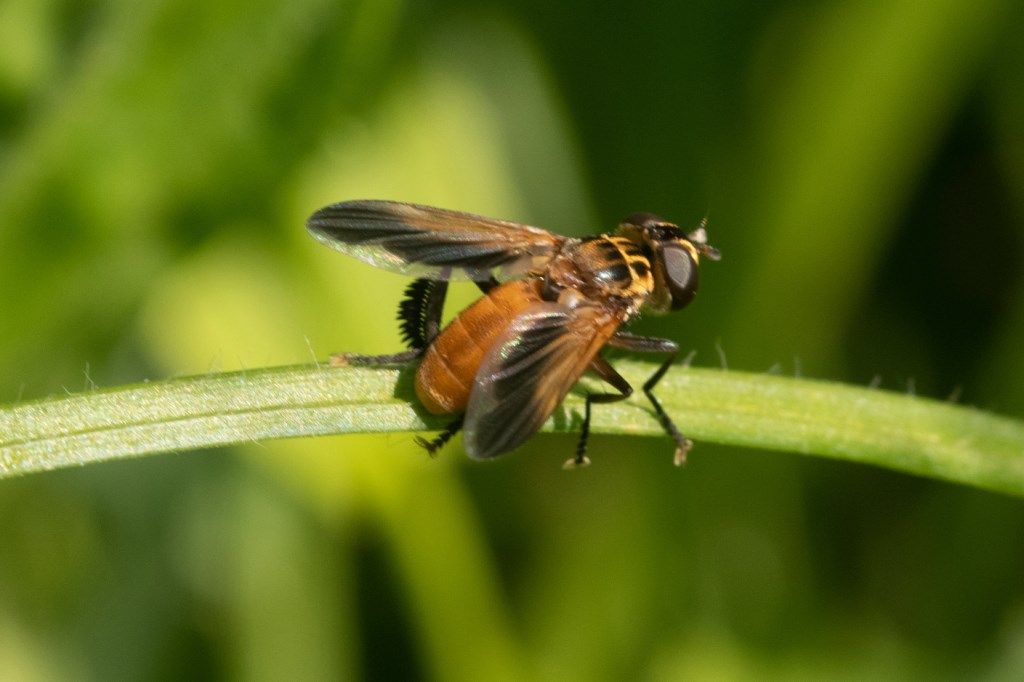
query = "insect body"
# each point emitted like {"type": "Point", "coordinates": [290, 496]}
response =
{"type": "Point", "coordinates": [504, 364]}
{"type": "Point", "coordinates": [446, 374]}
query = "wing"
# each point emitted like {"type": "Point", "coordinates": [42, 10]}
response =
{"type": "Point", "coordinates": [431, 242]}
{"type": "Point", "coordinates": [528, 372]}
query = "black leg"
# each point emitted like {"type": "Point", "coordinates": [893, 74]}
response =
{"type": "Point", "coordinates": [419, 312]}
{"type": "Point", "coordinates": [432, 313]}
{"type": "Point", "coordinates": [488, 285]}
{"type": "Point", "coordinates": [357, 360]}
{"type": "Point", "coordinates": [432, 446]}
{"type": "Point", "coordinates": [433, 306]}
{"type": "Point", "coordinates": [649, 344]}
{"type": "Point", "coordinates": [419, 315]}
{"type": "Point", "coordinates": [603, 369]}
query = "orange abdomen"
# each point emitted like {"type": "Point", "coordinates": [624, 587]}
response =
{"type": "Point", "coordinates": [445, 376]}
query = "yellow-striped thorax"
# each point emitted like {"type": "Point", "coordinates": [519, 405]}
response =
{"type": "Point", "coordinates": [648, 263]}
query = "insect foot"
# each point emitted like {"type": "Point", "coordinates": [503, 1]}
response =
{"type": "Point", "coordinates": [679, 459]}
{"type": "Point", "coordinates": [427, 445]}
{"type": "Point", "coordinates": [576, 463]}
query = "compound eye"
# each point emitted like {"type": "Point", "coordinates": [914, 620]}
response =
{"type": "Point", "coordinates": [680, 275]}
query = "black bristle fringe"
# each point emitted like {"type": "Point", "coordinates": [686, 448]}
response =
{"type": "Point", "coordinates": [412, 313]}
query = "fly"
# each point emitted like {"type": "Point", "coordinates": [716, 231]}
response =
{"type": "Point", "coordinates": [551, 303]}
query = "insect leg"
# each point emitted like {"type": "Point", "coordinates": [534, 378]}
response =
{"type": "Point", "coordinates": [432, 310]}
{"type": "Point", "coordinates": [419, 315]}
{"type": "Point", "coordinates": [603, 369]}
{"type": "Point", "coordinates": [650, 344]}
{"type": "Point", "coordinates": [488, 285]}
{"type": "Point", "coordinates": [357, 360]}
{"type": "Point", "coordinates": [432, 446]}
{"type": "Point", "coordinates": [420, 311]}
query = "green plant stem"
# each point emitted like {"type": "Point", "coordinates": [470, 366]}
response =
{"type": "Point", "coordinates": [902, 432]}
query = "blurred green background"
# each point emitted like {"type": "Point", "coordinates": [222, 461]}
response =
{"type": "Point", "coordinates": [862, 167]}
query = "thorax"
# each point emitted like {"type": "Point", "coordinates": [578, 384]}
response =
{"type": "Point", "coordinates": [605, 267]}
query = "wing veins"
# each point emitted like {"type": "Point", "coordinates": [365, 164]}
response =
{"type": "Point", "coordinates": [528, 372]}
{"type": "Point", "coordinates": [421, 240]}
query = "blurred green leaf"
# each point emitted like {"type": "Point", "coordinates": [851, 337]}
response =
{"type": "Point", "coordinates": [842, 136]}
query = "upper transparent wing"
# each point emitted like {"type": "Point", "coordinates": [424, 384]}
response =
{"type": "Point", "coordinates": [528, 372]}
{"type": "Point", "coordinates": [431, 242]}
